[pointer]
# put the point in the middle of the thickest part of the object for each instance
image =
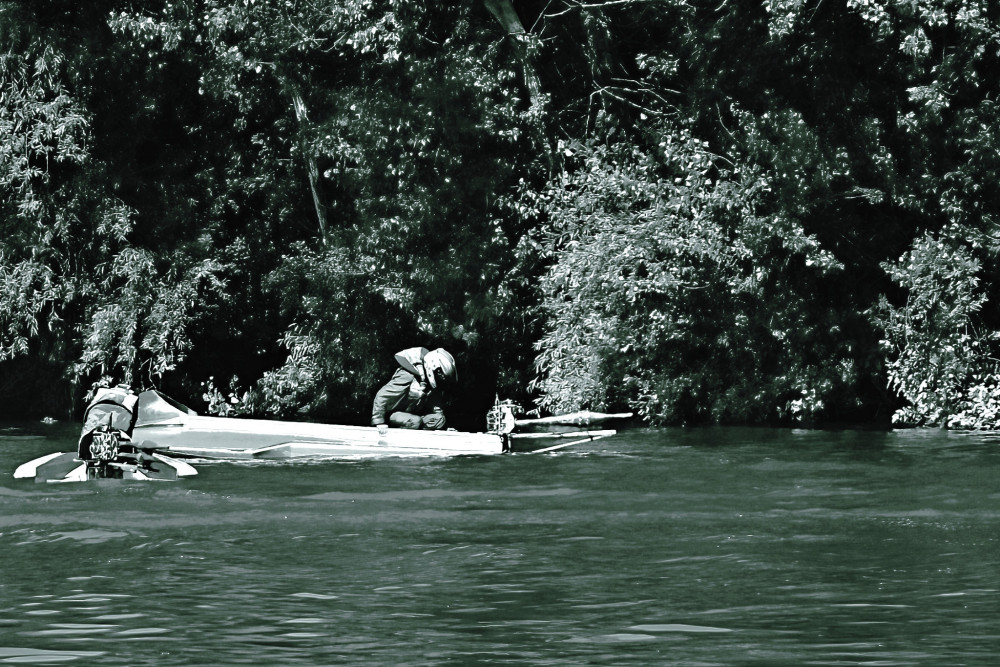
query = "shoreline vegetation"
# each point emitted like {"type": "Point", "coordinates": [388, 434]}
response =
{"type": "Point", "coordinates": [742, 213]}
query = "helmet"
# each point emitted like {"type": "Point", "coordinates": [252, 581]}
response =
{"type": "Point", "coordinates": [440, 365]}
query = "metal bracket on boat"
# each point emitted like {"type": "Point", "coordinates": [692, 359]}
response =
{"type": "Point", "coordinates": [500, 420]}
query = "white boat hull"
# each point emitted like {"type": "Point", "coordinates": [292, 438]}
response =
{"type": "Point", "coordinates": [141, 437]}
{"type": "Point", "coordinates": [220, 437]}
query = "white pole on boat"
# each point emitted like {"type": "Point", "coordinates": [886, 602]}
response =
{"type": "Point", "coordinates": [593, 435]}
{"type": "Point", "coordinates": [570, 444]}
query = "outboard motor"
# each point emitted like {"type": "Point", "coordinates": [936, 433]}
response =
{"type": "Point", "coordinates": [106, 445]}
{"type": "Point", "coordinates": [107, 424]}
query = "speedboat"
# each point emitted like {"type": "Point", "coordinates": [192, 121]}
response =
{"type": "Point", "coordinates": [148, 436]}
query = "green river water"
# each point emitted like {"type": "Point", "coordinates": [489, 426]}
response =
{"type": "Point", "coordinates": [655, 547]}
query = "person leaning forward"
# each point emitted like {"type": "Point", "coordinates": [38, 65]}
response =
{"type": "Point", "coordinates": [412, 397]}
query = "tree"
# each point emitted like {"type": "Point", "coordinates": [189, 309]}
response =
{"type": "Point", "coordinates": [56, 220]}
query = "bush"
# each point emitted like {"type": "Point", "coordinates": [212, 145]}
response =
{"type": "Point", "coordinates": [940, 360]}
{"type": "Point", "coordinates": [667, 291]}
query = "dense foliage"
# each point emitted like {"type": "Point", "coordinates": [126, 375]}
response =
{"type": "Point", "coordinates": [733, 212]}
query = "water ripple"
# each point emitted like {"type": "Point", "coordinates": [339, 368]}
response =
{"type": "Point", "coordinates": [677, 627]}
{"type": "Point", "coordinates": [615, 638]}
{"type": "Point", "coordinates": [42, 656]}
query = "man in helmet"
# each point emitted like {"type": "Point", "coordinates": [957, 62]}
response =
{"type": "Point", "coordinates": [412, 398]}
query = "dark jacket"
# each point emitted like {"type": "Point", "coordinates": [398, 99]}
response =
{"type": "Point", "coordinates": [408, 390]}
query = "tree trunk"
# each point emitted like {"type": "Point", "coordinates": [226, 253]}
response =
{"type": "Point", "coordinates": [302, 116]}
{"type": "Point", "coordinates": [504, 12]}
